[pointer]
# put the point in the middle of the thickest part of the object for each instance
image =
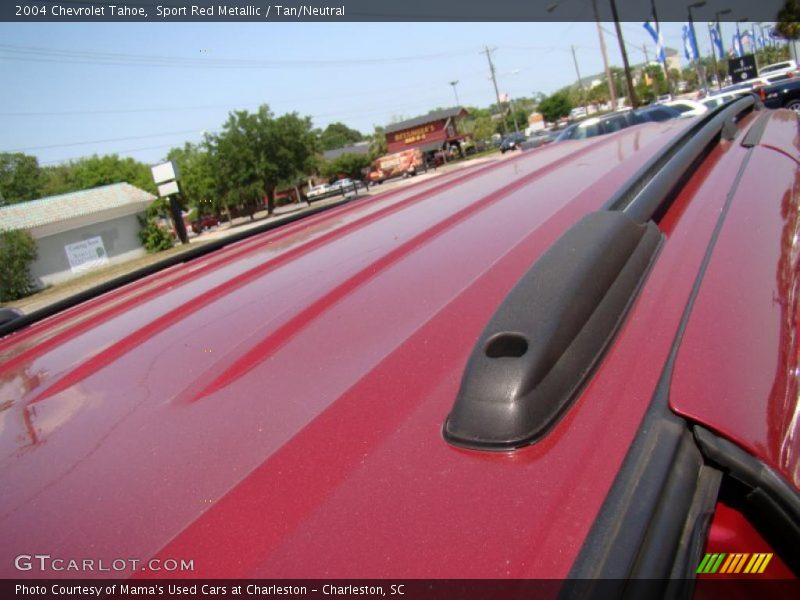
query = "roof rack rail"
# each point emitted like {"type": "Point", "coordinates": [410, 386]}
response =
{"type": "Point", "coordinates": [553, 327]}
{"type": "Point", "coordinates": [649, 192]}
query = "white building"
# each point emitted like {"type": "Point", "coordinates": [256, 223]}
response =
{"type": "Point", "coordinates": [80, 231]}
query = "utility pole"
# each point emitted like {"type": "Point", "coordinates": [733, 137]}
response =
{"type": "Point", "coordinates": [580, 81]}
{"type": "Point", "coordinates": [612, 87]}
{"type": "Point", "coordinates": [628, 79]}
{"type": "Point", "coordinates": [496, 90]}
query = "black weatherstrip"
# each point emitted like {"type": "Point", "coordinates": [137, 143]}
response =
{"type": "Point", "coordinates": [771, 503]}
{"type": "Point", "coordinates": [636, 532]}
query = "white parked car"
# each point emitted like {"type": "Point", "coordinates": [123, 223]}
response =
{"type": "Point", "coordinates": [779, 68]}
{"type": "Point", "coordinates": [318, 191]}
{"type": "Point", "coordinates": [688, 108]}
{"type": "Point", "coordinates": [717, 99]}
{"type": "Point", "coordinates": [343, 185]}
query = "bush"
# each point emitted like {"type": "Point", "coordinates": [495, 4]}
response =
{"type": "Point", "coordinates": [17, 251]}
{"type": "Point", "coordinates": [154, 237]}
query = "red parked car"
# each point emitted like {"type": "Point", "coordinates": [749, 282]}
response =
{"type": "Point", "coordinates": [580, 362]}
{"type": "Point", "coordinates": [204, 222]}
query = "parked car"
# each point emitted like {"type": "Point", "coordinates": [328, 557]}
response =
{"type": "Point", "coordinates": [611, 122]}
{"type": "Point", "coordinates": [538, 139]}
{"type": "Point", "coordinates": [779, 68]}
{"type": "Point", "coordinates": [343, 186]}
{"type": "Point", "coordinates": [570, 364]}
{"type": "Point", "coordinates": [785, 94]}
{"type": "Point", "coordinates": [204, 222]}
{"type": "Point", "coordinates": [720, 98]}
{"type": "Point", "coordinates": [688, 108]}
{"type": "Point", "coordinates": [578, 112]}
{"type": "Point", "coordinates": [318, 191]}
{"type": "Point", "coordinates": [512, 141]}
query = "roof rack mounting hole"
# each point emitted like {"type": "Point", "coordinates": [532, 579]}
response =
{"type": "Point", "coordinates": [507, 345]}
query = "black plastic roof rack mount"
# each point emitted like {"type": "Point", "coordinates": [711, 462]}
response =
{"type": "Point", "coordinates": [549, 331]}
{"type": "Point", "coordinates": [554, 326]}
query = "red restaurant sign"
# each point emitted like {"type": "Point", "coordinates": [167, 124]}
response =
{"type": "Point", "coordinates": [421, 134]}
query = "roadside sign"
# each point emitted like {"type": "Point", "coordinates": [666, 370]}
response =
{"type": "Point", "coordinates": [743, 68]}
{"type": "Point", "coordinates": [167, 189]}
{"type": "Point", "coordinates": [164, 172]}
{"type": "Point", "coordinates": [86, 255]}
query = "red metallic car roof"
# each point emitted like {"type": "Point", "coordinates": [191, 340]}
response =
{"type": "Point", "coordinates": [275, 409]}
{"type": "Point", "coordinates": [737, 369]}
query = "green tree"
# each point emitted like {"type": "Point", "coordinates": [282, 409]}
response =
{"type": "Point", "coordinates": [377, 143]}
{"type": "Point", "coordinates": [17, 251]}
{"type": "Point", "coordinates": [154, 237]}
{"type": "Point", "coordinates": [483, 127]}
{"type": "Point", "coordinates": [645, 89]}
{"type": "Point", "coordinates": [599, 94]}
{"type": "Point", "coordinates": [788, 21]}
{"type": "Point", "coordinates": [521, 115]}
{"type": "Point", "coordinates": [257, 152]}
{"type": "Point", "coordinates": [689, 75]}
{"type": "Point", "coordinates": [20, 177]}
{"type": "Point", "coordinates": [555, 106]}
{"type": "Point", "coordinates": [350, 165]}
{"type": "Point", "coordinates": [338, 135]}
{"type": "Point", "coordinates": [87, 173]}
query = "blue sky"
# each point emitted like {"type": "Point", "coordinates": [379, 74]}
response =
{"type": "Point", "coordinates": [313, 69]}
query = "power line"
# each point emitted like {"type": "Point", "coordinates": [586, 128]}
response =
{"type": "Point", "coordinates": [58, 55]}
{"type": "Point", "coordinates": [195, 130]}
{"type": "Point", "coordinates": [85, 143]}
{"type": "Point", "coordinates": [231, 106]}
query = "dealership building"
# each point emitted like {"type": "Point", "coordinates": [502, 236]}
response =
{"type": "Point", "coordinates": [80, 231]}
{"type": "Point", "coordinates": [438, 130]}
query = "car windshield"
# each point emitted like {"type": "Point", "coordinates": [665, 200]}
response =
{"type": "Point", "coordinates": [682, 108]}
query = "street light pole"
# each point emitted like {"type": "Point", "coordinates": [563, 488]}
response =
{"type": "Point", "coordinates": [496, 90]}
{"type": "Point", "coordinates": [580, 81]}
{"type": "Point", "coordinates": [719, 28]}
{"type": "Point", "coordinates": [696, 47]}
{"type": "Point", "coordinates": [455, 91]}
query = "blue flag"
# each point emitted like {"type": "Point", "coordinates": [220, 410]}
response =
{"type": "Point", "coordinates": [657, 40]}
{"type": "Point", "coordinates": [689, 44]}
{"type": "Point", "coordinates": [736, 46]}
{"type": "Point", "coordinates": [716, 38]}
